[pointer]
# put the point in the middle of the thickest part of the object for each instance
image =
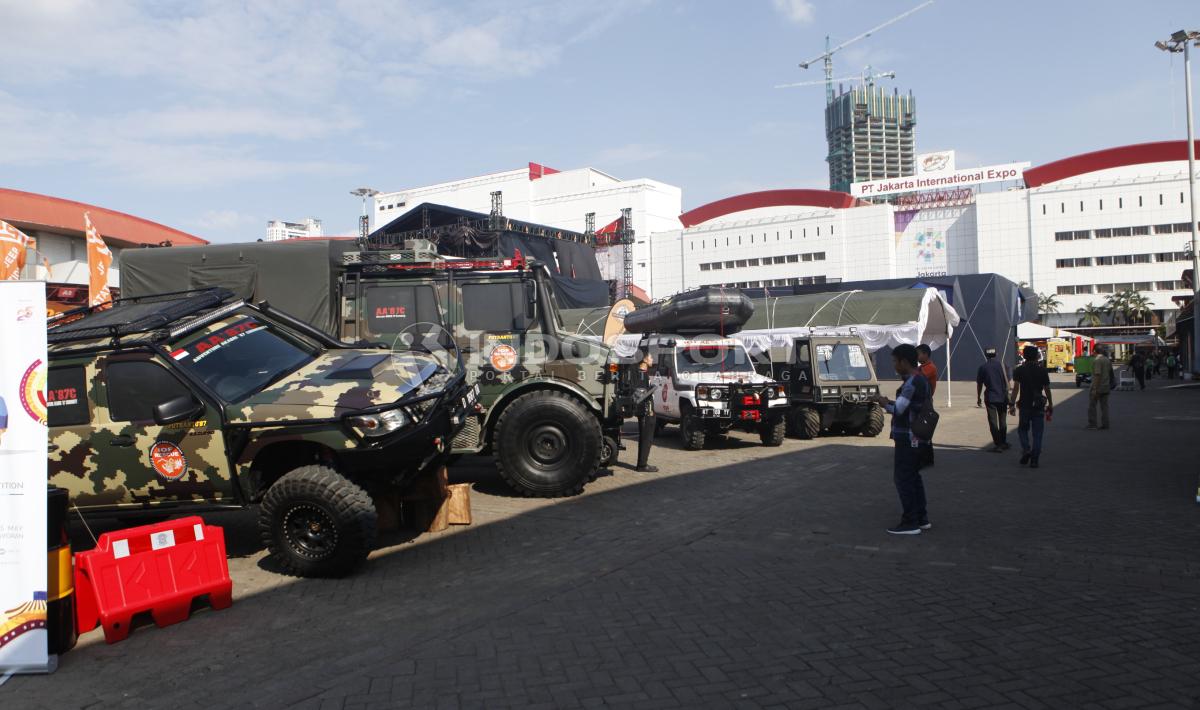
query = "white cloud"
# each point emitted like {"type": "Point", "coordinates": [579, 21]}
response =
{"type": "Point", "coordinates": [628, 154]}
{"type": "Point", "coordinates": [206, 92]}
{"type": "Point", "coordinates": [224, 220]}
{"type": "Point", "coordinates": [213, 121]}
{"type": "Point", "coordinates": [481, 48]}
{"type": "Point", "coordinates": [124, 149]}
{"type": "Point", "coordinates": [801, 12]}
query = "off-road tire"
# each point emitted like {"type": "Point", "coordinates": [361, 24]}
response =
{"type": "Point", "coordinates": [874, 425]}
{"type": "Point", "coordinates": [773, 434]}
{"type": "Point", "coordinates": [691, 432]}
{"type": "Point", "coordinates": [804, 422]}
{"type": "Point", "coordinates": [342, 512]}
{"type": "Point", "coordinates": [610, 451]}
{"type": "Point", "coordinates": [547, 444]}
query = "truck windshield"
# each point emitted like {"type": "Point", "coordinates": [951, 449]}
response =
{"type": "Point", "coordinates": [239, 355]}
{"type": "Point", "coordinates": [552, 306]}
{"type": "Point", "coordinates": [842, 361]}
{"type": "Point", "coordinates": [713, 358]}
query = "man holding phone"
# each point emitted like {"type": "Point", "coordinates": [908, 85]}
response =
{"type": "Point", "coordinates": [912, 397]}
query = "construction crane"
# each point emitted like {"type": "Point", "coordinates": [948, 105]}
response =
{"type": "Point", "coordinates": [827, 55]}
{"type": "Point", "coordinates": [867, 78]}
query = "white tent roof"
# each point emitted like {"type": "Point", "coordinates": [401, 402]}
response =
{"type": "Point", "coordinates": [1037, 331]}
{"type": "Point", "coordinates": [932, 323]}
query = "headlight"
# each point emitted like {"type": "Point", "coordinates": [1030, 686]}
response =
{"type": "Point", "coordinates": [384, 422]}
{"type": "Point", "coordinates": [776, 391]}
{"type": "Point", "coordinates": [716, 393]}
{"type": "Point", "coordinates": [829, 390]}
{"type": "Point", "coordinates": [871, 389]}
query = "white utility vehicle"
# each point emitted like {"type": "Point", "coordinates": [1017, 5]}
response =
{"type": "Point", "coordinates": [708, 386]}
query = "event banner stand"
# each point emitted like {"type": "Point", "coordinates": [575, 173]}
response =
{"type": "Point", "coordinates": [23, 441]}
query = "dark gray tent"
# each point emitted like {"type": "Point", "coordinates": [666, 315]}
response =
{"type": "Point", "coordinates": [302, 273]}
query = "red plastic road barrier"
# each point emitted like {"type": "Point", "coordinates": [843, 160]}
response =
{"type": "Point", "coordinates": [157, 568]}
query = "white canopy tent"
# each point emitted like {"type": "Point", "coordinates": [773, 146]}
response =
{"type": "Point", "coordinates": [1037, 331]}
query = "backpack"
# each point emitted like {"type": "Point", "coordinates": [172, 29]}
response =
{"type": "Point", "coordinates": [923, 423]}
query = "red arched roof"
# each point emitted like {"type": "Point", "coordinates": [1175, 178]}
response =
{"type": "Point", "coordinates": [767, 198]}
{"type": "Point", "coordinates": [30, 210]}
{"type": "Point", "coordinates": [1137, 154]}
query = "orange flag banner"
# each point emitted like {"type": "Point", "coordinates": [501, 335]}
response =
{"type": "Point", "coordinates": [13, 243]}
{"type": "Point", "coordinates": [99, 262]}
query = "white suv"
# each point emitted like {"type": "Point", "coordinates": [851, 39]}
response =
{"type": "Point", "coordinates": [709, 386]}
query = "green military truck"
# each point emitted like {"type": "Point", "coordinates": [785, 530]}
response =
{"type": "Point", "coordinates": [830, 384]}
{"type": "Point", "coordinates": [196, 401]}
{"type": "Point", "coordinates": [548, 410]}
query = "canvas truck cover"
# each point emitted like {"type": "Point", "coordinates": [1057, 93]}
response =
{"type": "Point", "coordinates": [299, 277]}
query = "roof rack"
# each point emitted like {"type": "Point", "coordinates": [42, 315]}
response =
{"type": "Point", "coordinates": [132, 316]}
{"type": "Point", "coordinates": [420, 255]}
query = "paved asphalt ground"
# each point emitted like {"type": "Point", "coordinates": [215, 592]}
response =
{"type": "Point", "coordinates": [737, 577]}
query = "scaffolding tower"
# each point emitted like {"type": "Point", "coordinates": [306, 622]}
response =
{"type": "Point", "coordinates": [625, 235]}
{"type": "Point", "coordinates": [496, 218]}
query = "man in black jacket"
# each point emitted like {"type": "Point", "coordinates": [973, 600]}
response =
{"type": "Point", "coordinates": [991, 388]}
{"type": "Point", "coordinates": [1031, 395]}
{"type": "Point", "coordinates": [644, 405]}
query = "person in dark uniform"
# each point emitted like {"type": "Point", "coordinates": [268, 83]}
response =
{"type": "Point", "coordinates": [643, 395]}
{"type": "Point", "coordinates": [930, 372]}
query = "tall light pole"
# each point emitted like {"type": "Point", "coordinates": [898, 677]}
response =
{"type": "Point", "coordinates": [364, 222]}
{"type": "Point", "coordinates": [1178, 42]}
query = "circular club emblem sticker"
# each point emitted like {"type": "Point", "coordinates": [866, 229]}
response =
{"type": "Point", "coordinates": [168, 461]}
{"type": "Point", "coordinates": [33, 391]}
{"type": "Point", "coordinates": [503, 358]}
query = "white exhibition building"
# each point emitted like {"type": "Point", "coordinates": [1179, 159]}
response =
{"type": "Point", "coordinates": [1080, 227]}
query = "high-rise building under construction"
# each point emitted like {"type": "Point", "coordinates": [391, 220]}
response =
{"type": "Point", "coordinates": [870, 134]}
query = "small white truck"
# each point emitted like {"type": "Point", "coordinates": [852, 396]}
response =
{"type": "Point", "coordinates": [708, 386]}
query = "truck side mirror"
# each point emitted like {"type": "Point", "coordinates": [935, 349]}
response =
{"type": "Point", "coordinates": [177, 409]}
{"type": "Point", "coordinates": [531, 299]}
{"type": "Point", "coordinates": [525, 315]}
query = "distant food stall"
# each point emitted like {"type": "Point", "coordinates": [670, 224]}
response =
{"type": "Point", "coordinates": [1060, 347]}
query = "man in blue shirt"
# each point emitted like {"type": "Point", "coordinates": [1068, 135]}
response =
{"type": "Point", "coordinates": [911, 399]}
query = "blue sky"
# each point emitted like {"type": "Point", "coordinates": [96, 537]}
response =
{"type": "Point", "coordinates": [214, 117]}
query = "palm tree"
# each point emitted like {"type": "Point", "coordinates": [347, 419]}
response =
{"type": "Point", "coordinates": [1091, 314]}
{"type": "Point", "coordinates": [1116, 305]}
{"type": "Point", "coordinates": [1048, 303]}
{"type": "Point", "coordinates": [1139, 306]}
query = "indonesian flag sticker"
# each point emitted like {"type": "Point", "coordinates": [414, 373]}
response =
{"type": "Point", "coordinates": [179, 354]}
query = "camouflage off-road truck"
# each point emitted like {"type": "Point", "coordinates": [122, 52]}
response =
{"type": "Point", "coordinates": [549, 409]}
{"type": "Point", "coordinates": [197, 400]}
{"type": "Point", "coordinates": [549, 412]}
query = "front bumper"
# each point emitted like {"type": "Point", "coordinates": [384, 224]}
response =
{"type": "Point", "coordinates": [418, 446]}
{"type": "Point", "coordinates": [736, 410]}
